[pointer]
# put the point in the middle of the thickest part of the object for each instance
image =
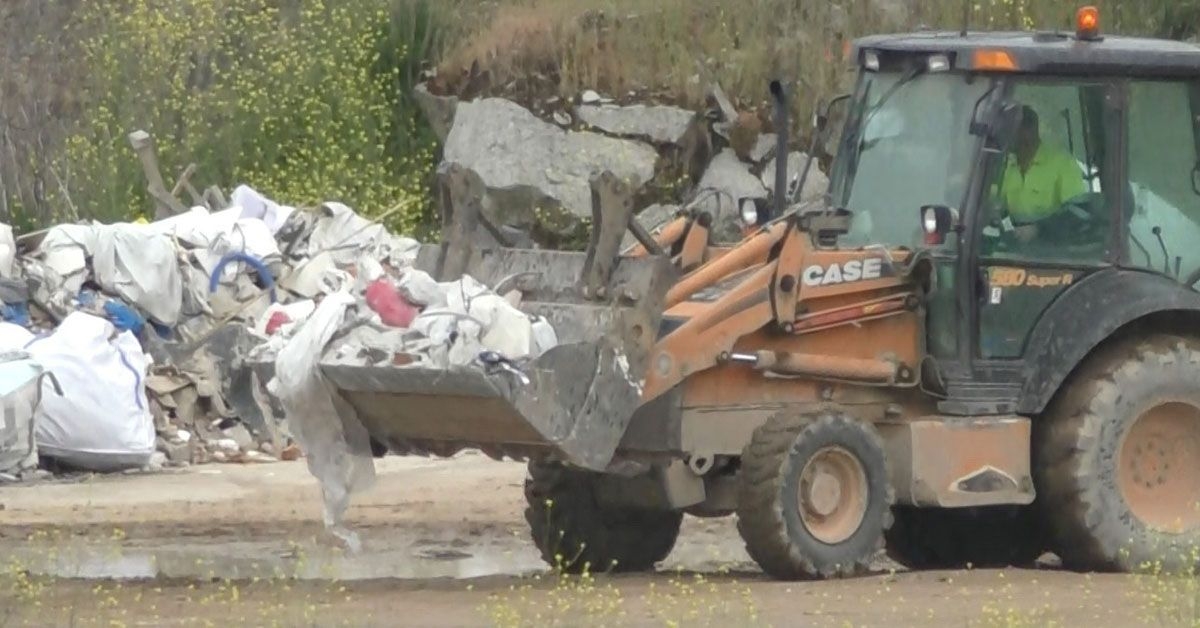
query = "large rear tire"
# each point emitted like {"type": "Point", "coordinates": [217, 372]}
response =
{"type": "Point", "coordinates": [814, 496]}
{"type": "Point", "coordinates": [953, 538]}
{"type": "Point", "coordinates": [1118, 458]}
{"type": "Point", "coordinates": [576, 533]}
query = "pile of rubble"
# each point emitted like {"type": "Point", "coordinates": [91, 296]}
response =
{"type": "Point", "coordinates": [138, 345]}
{"type": "Point", "coordinates": [146, 328]}
{"type": "Point", "coordinates": [710, 160]}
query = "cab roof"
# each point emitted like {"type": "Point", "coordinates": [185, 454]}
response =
{"type": "Point", "coordinates": [1048, 52]}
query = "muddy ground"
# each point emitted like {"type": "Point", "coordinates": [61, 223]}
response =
{"type": "Point", "coordinates": [445, 544]}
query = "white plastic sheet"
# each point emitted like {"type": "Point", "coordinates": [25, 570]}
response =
{"type": "Point", "coordinates": [131, 261]}
{"type": "Point", "coordinates": [19, 396]}
{"type": "Point", "coordinates": [140, 267]}
{"type": "Point", "coordinates": [8, 251]}
{"type": "Point", "coordinates": [345, 235]}
{"type": "Point", "coordinates": [256, 206]}
{"type": "Point", "coordinates": [336, 445]}
{"type": "Point", "coordinates": [65, 249]}
{"type": "Point", "coordinates": [103, 421]}
{"type": "Point", "coordinates": [13, 337]}
{"type": "Point", "coordinates": [218, 234]}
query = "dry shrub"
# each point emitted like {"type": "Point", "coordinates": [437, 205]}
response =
{"type": "Point", "coordinates": [520, 41]}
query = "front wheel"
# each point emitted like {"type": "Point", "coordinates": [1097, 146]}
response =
{"type": "Point", "coordinates": [576, 533]}
{"type": "Point", "coordinates": [814, 497]}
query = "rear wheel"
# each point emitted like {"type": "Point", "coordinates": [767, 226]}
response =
{"type": "Point", "coordinates": [1118, 460]}
{"type": "Point", "coordinates": [575, 532]}
{"type": "Point", "coordinates": [814, 496]}
{"type": "Point", "coordinates": [951, 538]}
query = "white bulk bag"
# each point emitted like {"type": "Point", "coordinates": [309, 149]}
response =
{"type": "Point", "coordinates": [102, 422]}
{"type": "Point", "coordinates": [19, 395]}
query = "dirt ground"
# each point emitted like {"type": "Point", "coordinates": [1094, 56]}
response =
{"type": "Point", "coordinates": [445, 544]}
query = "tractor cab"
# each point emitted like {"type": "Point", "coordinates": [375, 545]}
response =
{"type": "Point", "coordinates": [1025, 164]}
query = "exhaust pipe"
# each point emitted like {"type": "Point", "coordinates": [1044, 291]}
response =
{"type": "Point", "coordinates": [781, 149]}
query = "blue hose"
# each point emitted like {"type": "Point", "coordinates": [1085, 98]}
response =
{"type": "Point", "coordinates": [257, 264]}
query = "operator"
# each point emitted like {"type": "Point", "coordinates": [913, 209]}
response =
{"type": "Point", "coordinates": [1038, 178]}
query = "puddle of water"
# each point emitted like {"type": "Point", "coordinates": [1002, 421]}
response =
{"type": "Point", "coordinates": [265, 561]}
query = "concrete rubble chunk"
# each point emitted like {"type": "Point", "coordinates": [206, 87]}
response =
{"type": "Point", "coordinates": [438, 110]}
{"type": "Point", "coordinates": [728, 112]}
{"type": "Point", "coordinates": [157, 461]}
{"type": "Point", "coordinates": [176, 452]}
{"type": "Point", "coordinates": [518, 156]}
{"type": "Point", "coordinates": [815, 185]}
{"type": "Point", "coordinates": [764, 148]}
{"type": "Point", "coordinates": [241, 436]}
{"type": "Point", "coordinates": [725, 184]}
{"type": "Point", "coordinates": [657, 123]}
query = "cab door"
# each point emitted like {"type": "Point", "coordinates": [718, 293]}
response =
{"type": "Point", "coordinates": [1022, 270]}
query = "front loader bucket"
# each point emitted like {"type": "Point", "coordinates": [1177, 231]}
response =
{"type": "Point", "coordinates": [580, 395]}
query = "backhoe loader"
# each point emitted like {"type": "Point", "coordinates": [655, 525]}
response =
{"type": "Point", "coordinates": [912, 364]}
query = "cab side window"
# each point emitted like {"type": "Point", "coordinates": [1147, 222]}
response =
{"type": "Point", "coordinates": [1046, 200]}
{"type": "Point", "coordinates": [1163, 191]}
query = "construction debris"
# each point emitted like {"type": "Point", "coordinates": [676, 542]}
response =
{"type": "Point", "coordinates": [658, 124]}
{"type": "Point", "coordinates": [531, 161]}
{"type": "Point", "coordinates": [814, 186]}
{"type": "Point", "coordinates": [525, 162]}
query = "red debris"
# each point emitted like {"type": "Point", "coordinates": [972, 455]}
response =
{"type": "Point", "coordinates": [386, 300]}
{"type": "Point", "coordinates": [277, 320]}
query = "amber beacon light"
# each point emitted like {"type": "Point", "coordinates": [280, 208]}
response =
{"type": "Point", "coordinates": [1087, 23]}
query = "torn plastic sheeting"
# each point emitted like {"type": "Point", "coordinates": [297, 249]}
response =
{"type": "Point", "coordinates": [344, 235]}
{"type": "Point", "coordinates": [104, 423]}
{"type": "Point", "coordinates": [65, 250]}
{"type": "Point", "coordinates": [336, 445]}
{"type": "Point", "coordinates": [212, 236]}
{"type": "Point", "coordinates": [454, 336]}
{"type": "Point", "coordinates": [257, 206]}
{"type": "Point", "coordinates": [314, 276]}
{"type": "Point", "coordinates": [420, 289]}
{"type": "Point", "coordinates": [141, 268]}
{"type": "Point", "coordinates": [296, 313]}
{"type": "Point", "coordinates": [127, 260]}
{"type": "Point", "coordinates": [507, 330]}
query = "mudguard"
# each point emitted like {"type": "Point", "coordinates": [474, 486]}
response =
{"type": "Point", "coordinates": [1084, 316]}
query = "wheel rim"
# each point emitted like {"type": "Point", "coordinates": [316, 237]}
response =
{"type": "Point", "coordinates": [832, 495]}
{"type": "Point", "coordinates": [1159, 467]}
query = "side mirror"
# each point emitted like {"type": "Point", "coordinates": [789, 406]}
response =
{"type": "Point", "coordinates": [937, 221]}
{"type": "Point", "coordinates": [821, 118]}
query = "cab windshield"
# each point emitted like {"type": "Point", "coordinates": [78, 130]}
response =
{"type": "Point", "coordinates": [908, 144]}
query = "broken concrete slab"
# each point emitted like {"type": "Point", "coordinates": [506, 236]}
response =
{"type": "Point", "coordinates": [717, 95]}
{"type": "Point", "coordinates": [438, 110]}
{"type": "Point", "coordinates": [815, 185]}
{"type": "Point", "coordinates": [657, 123]}
{"type": "Point", "coordinates": [520, 157]}
{"type": "Point", "coordinates": [725, 184]}
{"type": "Point", "coordinates": [764, 148]}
